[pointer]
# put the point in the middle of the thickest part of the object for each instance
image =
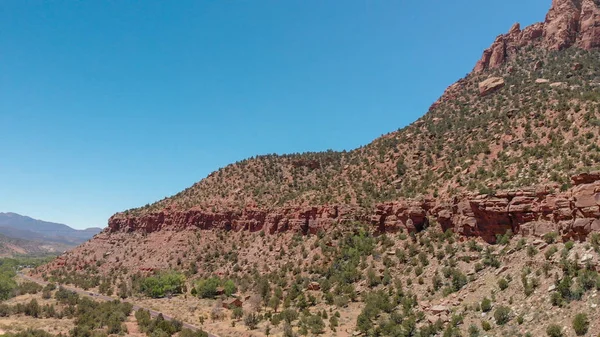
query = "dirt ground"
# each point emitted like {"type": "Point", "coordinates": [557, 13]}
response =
{"type": "Point", "coordinates": [189, 309]}
{"type": "Point", "coordinates": [22, 322]}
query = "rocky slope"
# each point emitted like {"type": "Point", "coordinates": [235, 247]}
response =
{"type": "Point", "coordinates": [521, 123]}
{"type": "Point", "coordinates": [527, 117]}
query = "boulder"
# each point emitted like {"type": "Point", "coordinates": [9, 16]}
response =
{"type": "Point", "coordinates": [314, 286]}
{"type": "Point", "coordinates": [490, 85]}
{"type": "Point", "coordinates": [584, 226]}
{"type": "Point", "coordinates": [438, 309]}
{"type": "Point", "coordinates": [586, 178]}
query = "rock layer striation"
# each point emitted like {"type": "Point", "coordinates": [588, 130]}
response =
{"type": "Point", "coordinates": [535, 211]}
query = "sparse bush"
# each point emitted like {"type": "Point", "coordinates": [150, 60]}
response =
{"type": "Point", "coordinates": [486, 304]}
{"type": "Point", "coordinates": [502, 315]}
{"type": "Point", "coordinates": [315, 324]}
{"type": "Point", "coordinates": [550, 251]}
{"type": "Point", "coordinates": [473, 331]}
{"type": "Point", "coordinates": [502, 283]}
{"type": "Point", "coordinates": [550, 237]}
{"type": "Point", "coordinates": [237, 313]}
{"type": "Point", "coordinates": [190, 333]}
{"type": "Point", "coordinates": [569, 245]}
{"type": "Point", "coordinates": [486, 326]}
{"type": "Point", "coordinates": [251, 320]}
{"type": "Point", "coordinates": [531, 251]}
{"type": "Point", "coordinates": [554, 330]}
{"type": "Point", "coordinates": [581, 324]}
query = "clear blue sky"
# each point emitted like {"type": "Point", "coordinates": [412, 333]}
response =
{"type": "Point", "coordinates": [108, 105]}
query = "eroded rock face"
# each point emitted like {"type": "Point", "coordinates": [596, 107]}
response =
{"type": "Point", "coordinates": [562, 24]}
{"type": "Point", "coordinates": [568, 23]}
{"type": "Point", "coordinates": [586, 178]}
{"type": "Point", "coordinates": [536, 211]}
{"type": "Point", "coordinates": [589, 25]}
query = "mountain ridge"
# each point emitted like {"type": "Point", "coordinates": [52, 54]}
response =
{"type": "Point", "coordinates": [24, 227]}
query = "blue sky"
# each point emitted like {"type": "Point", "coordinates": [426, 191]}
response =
{"type": "Point", "coordinates": [108, 105]}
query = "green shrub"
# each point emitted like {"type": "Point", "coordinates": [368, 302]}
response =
{"type": "Point", "coordinates": [550, 237]}
{"type": "Point", "coordinates": [556, 299]}
{"type": "Point", "coordinates": [237, 313]}
{"type": "Point", "coordinates": [486, 304]}
{"type": "Point", "coordinates": [190, 333]}
{"type": "Point", "coordinates": [459, 280]}
{"type": "Point", "coordinates": [229, 287]}
{"type": "Point", "coordinates": [550, 251]}
{"type": "Point", "coordinates": [486, 326]}
{"type": "Point", "coordinates": [531, 251]}
{"type": "Point", "coordinates": [29, 288]}
{"type": "Point", "coordinates": [502, 283]}
{"type": "Point", "coordinates": [473, 331]}
{"type": "Point", "coordinates": [520, 319]}
{"type": "Point", "coordinates": [569, 245]}
{"type": "Point", "coordinates": [7, 287]}
{"type": "Point", "coordinates": [251, 320]}
{"type": "Point", "coordinates": [315, 324]}
{"type": "Point", "coordinates": [554, 330]}
{"type": "Point", "coordinates": [289, 315]}
{"type": "Point", "coordinates": [502, 315]}
{"type": "Point", "coordinates": [504, 239]}
{"type": "Point", "coordinates": [581, 324]}
{"type": "Point", "coordinates": [208, 288]}
{"type": "Point", "coordinates": [163, 284]}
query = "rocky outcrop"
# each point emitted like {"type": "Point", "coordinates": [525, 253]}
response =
{"type": "Point", "coordinates": [586, 178]}
{"type": "Point", "coordinates": [507, 45]}
{"type": "Point", "coordinates": [573, 213]}
{"type": "Point", "coordinates": [568, 23]}
{"type": "Point", "coordinates": [536, 211]}
{"type": "Point", "coordinates": [490, 85]}
{"type": "Point", "coordinates": [410, 215]}
{"type": "Point", "coordinates": [589, 25]}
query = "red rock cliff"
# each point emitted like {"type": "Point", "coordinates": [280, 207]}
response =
{"type": "Point", "coordinates": [568, 23]}
{"type": "Point", "coordinates": [573, 213]}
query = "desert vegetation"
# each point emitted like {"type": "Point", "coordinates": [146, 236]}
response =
{"type": "Point", "coordinates": [392, 284]}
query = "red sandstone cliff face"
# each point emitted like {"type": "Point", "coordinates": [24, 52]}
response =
{"type": "Point", "coordinates": [574, 214]}
{"type": "Point", "coordinates": [568, 23]}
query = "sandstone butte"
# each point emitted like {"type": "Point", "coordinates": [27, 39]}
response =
{"type": "Point", "coordinates": [529, 211]}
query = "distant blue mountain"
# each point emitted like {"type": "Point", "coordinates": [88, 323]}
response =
{"type": "Point", "coordinates": [23, 227]}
